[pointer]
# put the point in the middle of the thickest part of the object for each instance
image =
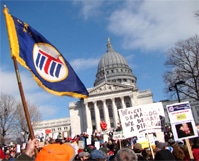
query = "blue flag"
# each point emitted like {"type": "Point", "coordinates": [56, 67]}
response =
{"type": "Point", "coordinates": [49, 68]}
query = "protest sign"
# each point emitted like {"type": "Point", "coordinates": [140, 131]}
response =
{"type": "Point", "coordinates": [105, 138]}
{"type": "Point", "coordinates": [88, 140]}
{"type": "Point", "coordinates": [97, 145]}
{"type": "Point", "coordinates": [143, 118]}
{"type": "Point", "coordinates": [118, 135]}
{"type": "Point", "coordinates": [81, 144]}
{"type": "Point", "coordinates": [182, 122]}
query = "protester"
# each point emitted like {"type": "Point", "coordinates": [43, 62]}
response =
{"type": "Point", "coordinates": [51, 152]}
{"type": "Point", "coordinates": [178, 153]}
{"type": "Point", "coordinates": [12, 156]}
{"type": "Point", "coordinates": [137, 148]}
{"type": "Point", "coordinates": [111, 157]}
{"type": "Point", "coordinates": [98, 155]}
{"type": "Point", "coordinates": [29, 152]}
{"type": "Point", "coordinates": [126, 154]}
{"type": "Point", "coordinates": [195, 148]}
{"type": "Point", "coordinates": [7, 156]}
{"type": "Point", "coordinates": [147, 154]}
{"type": "Point", "coordinates": [2, 155]}
{"type": "Point", "coordinates": [164, 154]}
{"type": "Point", "coordinates": [160, 145]}
{"type": "Point", "coordinates": [56, 152]}
{"type": "Point", "coordinates": [108, 150]}
{"type": "Point", "coordinates": [84, 156]}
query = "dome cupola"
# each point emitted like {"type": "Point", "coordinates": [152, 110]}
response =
{"type": "Point", "coordinates": [113, 67]}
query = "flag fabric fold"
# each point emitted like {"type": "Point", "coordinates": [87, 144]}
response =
{"type": "Point", "coordinates": [48, 67]}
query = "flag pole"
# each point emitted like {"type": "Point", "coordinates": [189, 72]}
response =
{"type": "Point", "coordinates": [23, 99]}
{"type": "Point", "coordinates": [27, 115]}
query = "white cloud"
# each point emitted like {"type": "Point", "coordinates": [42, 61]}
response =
{"type": "Point", "coordinates": [89, 8]}
{"type": "Point", "coordinates": [154, 25]}
{"type": "Point", "coordinates": [147, 25]}
{"type": "Point", "coordinates": [8, 84]}
{"type": "Point", "coordinates": [83, 63]}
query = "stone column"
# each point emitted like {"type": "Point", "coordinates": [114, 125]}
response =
{"type": "Point", "coordinates": [97, 116]}
{"type": "Point", "coordinates": [123, 104]}
{"type": "Point", "coordinates": [132, 101]}
{"type": "Point", "coordinates": [88, 117]}
{"type": "Point", "coordinates": [115, 112]}
{"type": "Point", "coordinates": [106, 114]}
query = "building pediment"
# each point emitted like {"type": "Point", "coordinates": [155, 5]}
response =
{"type": "Point", "coordinates": [107, 87]}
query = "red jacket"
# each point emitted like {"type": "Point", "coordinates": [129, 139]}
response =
{"type": "Point", "coordinates": [196, 153]}
{"type": "Point", "coordinates": [2, 155]}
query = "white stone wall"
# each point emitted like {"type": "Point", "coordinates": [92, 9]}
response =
{"type": "Point", "coordinates": [75, 119]}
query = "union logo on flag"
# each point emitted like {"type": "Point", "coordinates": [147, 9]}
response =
{"type": "Point", "coordinates": [49, 63]}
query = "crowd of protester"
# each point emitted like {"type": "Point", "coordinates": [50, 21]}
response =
{"type": "Point", "coordinates": [111, 150]}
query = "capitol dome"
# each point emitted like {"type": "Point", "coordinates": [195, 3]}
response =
{"type": "Point", "coordinates": [113, 67]}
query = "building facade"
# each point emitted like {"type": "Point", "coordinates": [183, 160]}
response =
{"type": "Point", "coordinates": [52, 128]}
{"type": "Point", "coordinates": [114, 88]}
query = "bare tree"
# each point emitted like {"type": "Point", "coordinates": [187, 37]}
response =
{"type": "Point", "coordinates": [197, 14]}
{"type": "Point", "coordinates": [183, 65]}
{"type": "Point", "coordinates": [7, 116]}
{"type": "Point", "coordinates": [12, 118]}
{"type": "Point", "coordinates": [35, 116]}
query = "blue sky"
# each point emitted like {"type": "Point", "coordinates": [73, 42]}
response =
{"type": "Point", "coordinates": [142, 31]}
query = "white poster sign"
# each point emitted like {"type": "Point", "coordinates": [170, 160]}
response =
{"type": "Point", "coordinates": [105, 138]}
{"type": "Point", "coordinates": [88, 140]}
{"type": "Point", "coordinates": [182, 122]}
{"type": "Point", "coordinates": [89, 131]}
{"type": "Point", "coordinates": [97, 145]}
{"type": "Point", "coordinates": [118, 135]}
{"type": "Point", "coordinates": [18, 148]}
{"type": "Point", "coordinates": [81, 144]}
{"type": "Point", "coordinates": [143, 118]}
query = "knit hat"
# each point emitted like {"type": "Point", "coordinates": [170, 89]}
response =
{"type": "Point", "coordinates": [164, 155]}
{"type": "Point", "coordinates": [55, 152]}
{"type": "Point", "coordinates": [97, 154]}
{"type": "Point", "coordinates": [160, 145]}
{"type": "Point", "coordinates": [82, 154]}
{"type": "Point", "coordinates": [171, 142]}
{"type": "Point", "coordinates": [137, 146]}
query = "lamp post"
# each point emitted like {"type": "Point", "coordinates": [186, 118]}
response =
{"type": "Point", "coordinates": [176, 88]}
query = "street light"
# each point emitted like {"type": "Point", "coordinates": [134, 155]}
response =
{"type": "Point", "coordinates": [176, 88]}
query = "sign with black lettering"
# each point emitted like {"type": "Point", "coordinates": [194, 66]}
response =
{"type": "Point", "coordinates": [143, 118]}
{"type": "Point", "coordinates": [118, 135]}
{"type": "Point", "coordinates": [182, 121]}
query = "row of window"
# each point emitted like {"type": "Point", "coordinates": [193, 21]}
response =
{"type": "Point", "coordinates": [59, 129]}
{"type": "Point", "coordinates": [115, 71]}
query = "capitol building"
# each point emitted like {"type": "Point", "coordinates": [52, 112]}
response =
{"type": "Point", "coordinates": [114, 88]}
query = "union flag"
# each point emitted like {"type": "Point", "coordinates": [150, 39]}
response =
{"type": "Point", "coordinates": [48, 67]}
